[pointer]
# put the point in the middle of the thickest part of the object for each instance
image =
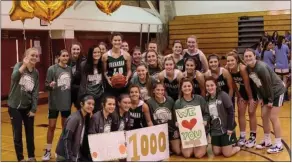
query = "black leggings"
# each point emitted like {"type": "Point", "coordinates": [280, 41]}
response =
{"type": "Point", "coordinates": [18, 116]}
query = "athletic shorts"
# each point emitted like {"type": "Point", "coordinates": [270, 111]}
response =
{"type": "Point", "coordinates": [53, 114]}
{"type": "Point", "coordinates": [223, 140]}
{"type": "Point", "coordinates": [282, 71]}
{"type": "Point", "coordinates": [278, 101]}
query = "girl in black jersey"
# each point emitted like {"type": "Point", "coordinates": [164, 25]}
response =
{"type": "Point", "coordinates": [154, 67]}
{"type": "Point", "coordinates": [121, 116]}
{"type": "Point", "coordinates": [116, 61]}
{"type": "Point", "coordinates": [222, 75]}
{"type": "Point", "coordinates": [170, 77]}
{"type": "Point", "coordinates": [177, 55]}
{"type": "Point", "coordinates": [194, 52]}
{"type": "Point", "coordinates": [197, 77]}
{"type": "Point", "coordinates": [144, 81]}
{"type": "Point", "coordinates": [161, 108]}
{"type": "Point", "coordinates": [139, 112]}
{"type": "Point", "coordinates": [246, 96]}
{"type": "Point", "coordinates": [187, 99]}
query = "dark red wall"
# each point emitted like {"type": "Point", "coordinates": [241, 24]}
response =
{"type": "Point", "coordinates": [50, 48]}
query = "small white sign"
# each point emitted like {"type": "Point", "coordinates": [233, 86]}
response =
{"type": "Point", "coordinates": [191, 127]}
{"type": "Point", "coordinates": [107, 146]}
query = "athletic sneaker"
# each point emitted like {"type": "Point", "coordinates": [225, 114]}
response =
{"type": "Point", "coordinates": [241, 141]}
{"type": "Point", "coordinates": [47, 155]}
{"type": "Point", "coordinates": [251, 142]}
{"type": "Point", "coordinates": [32, 159]}
{"type": "Point", "coordinates": [263, 145]}
{"type": "Point", "coordinates": [275, 149]}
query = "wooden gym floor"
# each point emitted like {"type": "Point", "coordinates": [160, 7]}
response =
{"type": "Point", "coordinates": [41, 120]}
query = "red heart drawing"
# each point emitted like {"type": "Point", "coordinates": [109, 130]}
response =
{"type": "Point", "coordinates": [189, 125]}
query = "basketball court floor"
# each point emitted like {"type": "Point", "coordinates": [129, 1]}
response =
{"type": "Point", "coordinates": [41, 121]}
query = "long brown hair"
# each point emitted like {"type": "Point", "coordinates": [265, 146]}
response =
{"type": "Point", "coordinates": [210, 78]}
{"type": "Point", "coordinates": [148, 79]}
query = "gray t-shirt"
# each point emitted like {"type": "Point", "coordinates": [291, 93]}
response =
{"type": "Point", "coordinates": [145, 95]}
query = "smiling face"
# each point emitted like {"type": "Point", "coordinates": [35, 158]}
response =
{"type": "Point", "coordinates": [135, 93]}
{"type": "Point", "coordinates": [117, 42]}
{"type": "Point", "coordinates": [142, 72]}
{"type": "Point", "coordinates": [110, 105]}
{"type": "Point", "coordinates": [191, 43]}
{"type": "Point", "coordinates": [190, 66]}
{"type": "Point", "coordinates": [231, 62]}
{"type": "Point", "coordinates": [187, 88]}
{"type": "Point", "coordinates": [125, 104]}
{"type": "Point", "coordinates": [211, 87]}
{"type": "Point", "coordinates": [96, 53]}
{"type": "Point", "coordinates": [32, 55]}
{"type": "Point", "coordinates": [151, 58]}
{"type": "Point", "coordinates": [137, 56]}
{"type": "Point", "coordinates": [214, 63]}
{"type": "Point", "coordinates": [169, 65]}
{"type": "Point", "coordinates": [159, 91]}
{"type": "Point", "coordinates": [249, 58]}
{"type": "Point", "coordinates": [177, 48]}
{"type": "Point", "coordinates": [125, 46]}
{"type": "Point", "coordinates": [88, 106]}
{"type": "Point", "coordinates": [64, 58]}
{"type": "Point", "coordinates": [75, 51]}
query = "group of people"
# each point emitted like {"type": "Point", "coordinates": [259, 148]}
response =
{"type": "Point", "coordinates": [156, 86]}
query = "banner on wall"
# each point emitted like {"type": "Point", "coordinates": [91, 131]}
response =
{"type": "Point", "coordinates": [148, 144]}
{"type": "Point", "coordinates": [191, 127]}
{"type": "Point", "coordinates": [107, 146]}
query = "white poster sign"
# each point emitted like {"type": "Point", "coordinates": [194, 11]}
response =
{"type": "Point", "coordinates": [107, 146]}
{"type": "Point", "coordinates": [191, 127]}
{"type": "Point", "coordinates": [148, 144]}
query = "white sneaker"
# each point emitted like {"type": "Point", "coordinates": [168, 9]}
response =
{"type": "Point", "coordinates": [263, 145]}
{"type": "Point", "coordinates": [47, 155]}
{"type": "Point", "coordinates": [251, 142]}
{"type": "Point", "coordinates": [241, 141]}
{"type": "Point", "coordinates": [275, 149]}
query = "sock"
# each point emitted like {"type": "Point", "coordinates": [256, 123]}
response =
{"type": "Point", "coordinates": [49, 147]}
{"type": "Point", "coordinates": [267, 139]}
{"type": "Point", "coordinates": [278, 142]}
{"type": "Point", "coordinates": [242, 134]}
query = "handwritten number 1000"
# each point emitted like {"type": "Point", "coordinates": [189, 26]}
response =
{"type": "Point", "coordinates": [146, 144]}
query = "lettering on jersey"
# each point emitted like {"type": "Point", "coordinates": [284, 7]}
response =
{"type": "Point", "coordinates": [135, 115]}
{"type": "Point", "coordinates": [254, 77]}
{"type": "Point", "coordinates": [26, 82]}
{"type": "Point", "coordinates": [116, 64]}
{"type": "Point", "coordinates": [162, 115]}
{"type": "Point", "coordinates": [221, 83]}
{"type": "Point", "coordinates": [64, 81]}
{"type": "Point", "coordinates": [172, 86]}
{"type": "Point", "coordinates": [180, 67]}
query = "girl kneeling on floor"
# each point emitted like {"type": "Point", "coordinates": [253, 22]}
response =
{"type": "Point", "coordinates": [70, 142]}
{"type": "Point", "coordinates": [222, 126]}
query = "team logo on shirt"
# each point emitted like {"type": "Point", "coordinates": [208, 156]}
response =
{"type": "Point", "coordinates": [26, 82]}
{"type": "Point", "coordinates": [162, 115]}
{"type": "Point", "coordinates": [94, 79]}
{"type": "Point", "coordinates": [122, 126]}
{"type": "Point", "coordinates": [255, 79]}
{"type": "Point", "coordinates": [107, 128]}
{"type": "Point", "coordinates": [64, 81]}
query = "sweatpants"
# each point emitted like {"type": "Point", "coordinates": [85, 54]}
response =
{"type": "Point", "coordinates": [18, 116]}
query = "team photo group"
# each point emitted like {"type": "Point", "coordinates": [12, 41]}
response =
{"type": "Point", "coordinates": [101, 90]}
